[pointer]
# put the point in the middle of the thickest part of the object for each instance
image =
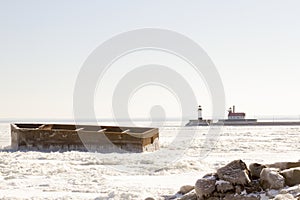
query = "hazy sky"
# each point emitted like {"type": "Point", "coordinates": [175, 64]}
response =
{"type": "Point", "coordinates": [254, 44]}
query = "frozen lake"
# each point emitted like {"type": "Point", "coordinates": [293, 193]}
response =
{"type": "Point", "coordinates": [87, 175]}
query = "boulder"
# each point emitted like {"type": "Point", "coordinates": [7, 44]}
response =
{"type": "Point", "coordinates": [213, 198]}
{"type": "Point", "coordinates": [284, 165]}
{"type": "Point", "coordinates": [185, 189]}
{"type": "Point", "coordinates": [291, 176]}
{"type": "Point", "coordinates": [210, 175]}
{"type": "Point", "coordinates": [224, 186]}
{"type": "Point", "coordinates": [239, 197]}
{"type": "Point", "coordinates": [219, 195]}
{"type": "Point", "coordinates": [238, 189]}
{"type": "Point", "coordinates": [253, 186]}
{"type": "Point", "coordinates": [284, 197]}
{"type": "Point", "coordinates": [271, 179]}
{"type": "Point", "coordinates": [189, 196]}
{"type": "Point", "coordinates": [271, 193]}
{"type": "Point", "coordinates": [204, 187]}
{"type": "Point", "coordinates": [295, 191]}
{"type": "Point", "coordinates": [255, 169]}
{"type": "Point", "coordinates": [235, 172]}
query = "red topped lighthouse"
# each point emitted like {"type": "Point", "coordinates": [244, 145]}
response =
{"type": "Point", "coordinates": [232, 115]}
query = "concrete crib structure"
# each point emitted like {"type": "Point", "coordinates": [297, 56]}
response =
{"type": "Point", "coordinates": [104, 139]}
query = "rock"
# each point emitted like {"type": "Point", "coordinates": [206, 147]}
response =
{"type": "Point", "coordinates": [219, 195]}
{"type": "Point", "coordinates": [213, 198]}
{"type": "Point", "coordinates": [284, 197]}
{"type": "Point", "coordinates": [205, 187]}
{"type": "Point", "coordinates": [291, 176]}
{"type": "Point", "coordinates": [149, 198]}
{"type": "Point", "coordinates": [271, 193]}
{"type": "Point", "coordinates": [170, 197]}
{"type": "Point", "coordinates": [239, 197]}
{"type": "Point", "coordinates": [253, 186]}
{"type": "Point", "coordinates": [255, 169]}
{"type": "Point", "coordinates": [185, 189]}
{"type": "Point", "coordinates": [295, 191]}
{"type": "Point", "coordinates": [224, 186]}
{"type": "Point", "coordinates": [284, 165]}
{"type": "Point", "coordinates": [215, 175]}
{"type": "Point", "coordinates": [235, 172]}
{"type": "Point", "coordinates": [189, 196]}
{"type": "Point", "coordinates": [238, 189]}
{"type": "Point", "coordinates": [271, 179]}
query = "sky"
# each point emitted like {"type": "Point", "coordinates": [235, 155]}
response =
{"type": "Point", "coordinates": [255, 46]}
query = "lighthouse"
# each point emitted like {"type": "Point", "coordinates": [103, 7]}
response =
{"type": "Point", "coordinates": [200, 113]}
{"type": "Point", "coordinates": [232, 115]}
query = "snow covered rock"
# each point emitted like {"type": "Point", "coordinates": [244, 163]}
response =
{"type": "Point", "coordinates": [271, 179]}
{"type": "Point", "coordinates": [284, 197]}
{"type": "Point", "coordinates": [235, 182]}
{"type": "Point", "coordinates": [204, 187]}
{"type": "Point", "coordinates": [239, 197]}
{"type": "Point", "coordinates": [270, 194]}
{"type": "Point", "coordinates": [224, 186]}
{"type": "Point", "coordinates": [291, 176]}
{"type": "Point", "coordinates": [235, 172]}
{"type": "Point", "coordinates": [295, 191]}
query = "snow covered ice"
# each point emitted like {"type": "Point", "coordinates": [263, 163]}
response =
{"type": "Point", "coordinates": [86, 175]}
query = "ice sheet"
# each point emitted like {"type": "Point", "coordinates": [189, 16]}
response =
{"type": "Point", "coordinates": [85, 175]}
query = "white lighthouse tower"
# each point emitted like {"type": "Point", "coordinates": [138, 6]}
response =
{"type": "Point", "coordinates": [200, 113]}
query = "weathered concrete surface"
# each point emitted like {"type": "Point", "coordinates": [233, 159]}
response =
{"type": "Point", "coordinates": [57, 137]}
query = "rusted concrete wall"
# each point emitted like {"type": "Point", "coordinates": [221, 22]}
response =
{"type": "Point", "coordinates": [57, 138]}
